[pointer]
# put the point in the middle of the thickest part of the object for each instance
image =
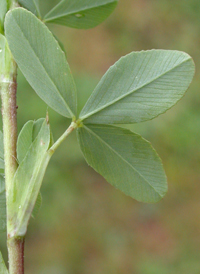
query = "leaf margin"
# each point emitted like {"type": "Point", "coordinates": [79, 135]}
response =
{"type": "Point", "coordinates": [87, 117]}
{"type": "Point", "coordinates": [147, 143]}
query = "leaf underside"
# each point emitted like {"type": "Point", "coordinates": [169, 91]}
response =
{"type": "Point", "coordinates": [26, 137]}
{"type": "Point", "coordinates": [32, 5]}
{"type": "Point", "coordinates": [3, 269]}
{"type": "Point", "coordinates": [41, 60]}
{"type": "Point", "coordinates": [37, 206]}
{"type": "Point", "coordinates": [28, 178]}
{"type": "Point", "coordinates": [125, 160]}
{"type": "Point", "coordinates": [81, 14]}
{"type": "Point", "coordinates": [139, 87]}
{"type": "Point", "coordinates": [3, 10]}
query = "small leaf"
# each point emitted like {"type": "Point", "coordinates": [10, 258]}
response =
{"type": "Point", "coordinates": [37, 127]}
{"type": "Point", "coordinates": [3, 268]}
{"type": "Point", "coordinates": [3, 10]}
{"type": "Point", "coordinates": [2, 205]}
{"type": "Point", "coordinates": [27, 182]}
{"type": "Point", "coordinates": [125, 160]}
{"type": "Point", "coordinates": [139, 87]}
{"type": "Point", "coordinates": [60, 44]}
{"type": "Point", "coordinates": [42, 61]}
{"type": "Point", "coordinates": [1, 164]}
{"type": "Point", "coordinates": [37, 206]}
{"type": "Point", "coordinates": [81, 14]}
{"type": "Point", "coordinates": [26, 137]}
{"type": "Point", "coordinates": [32, 5]}
{"type": "Point", "coordinates": [25, 140]}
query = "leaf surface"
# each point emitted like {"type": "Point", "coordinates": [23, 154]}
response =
{"type": "Point", "coordinates": [24, 140]}
{"type": "Point", "coordinates": [81, 14]}
{"type": "Point", "coordinates": [2, 205]}
{"type": "Point", "coordinates": [3, 269]}
{"type": "Point", "coordinates": [37, 206]}
{"type": "Point", "coordinates": [125, 160]}
{"type": "Point", "coordinates": [3, 10]}
{"type": "Point", "coordinates": [1, 163]}
{"type": "Point", "coordinates": [32, 5]}
{"type": "Point", "coordinates": [139, 87]}
{"type": "Point", "coordinates": [42, 61]}
{"type": "Point", "coordinates": [26, 137]}
{"type": "Point", "coordinates": [27, 182]}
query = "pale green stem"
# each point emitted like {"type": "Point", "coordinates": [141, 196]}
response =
{"type": "Point", "coordinates": [9, 114]}
{"type": "Point", "coordinates": [63, 137]}
{"type": "Point", "coordinates": [8, 87]}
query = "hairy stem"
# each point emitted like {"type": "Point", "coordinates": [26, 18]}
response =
{"type": "Point", "coordinates": [16, 255]}
{"type": "Point", "coordinates": [9, 113]}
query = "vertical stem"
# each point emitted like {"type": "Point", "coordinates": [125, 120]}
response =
{"type": "Point", "coordinates": [8, 87]}
{"type": "Point", "coordinates": [9, 114]}
{"type": "Point", "coordinates": [16, 255]}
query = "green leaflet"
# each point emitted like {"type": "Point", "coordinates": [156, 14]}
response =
{"type": "Point", "coordinates": [27, 181]}
{"type": "Point", "coordinates": [139, 87]}
{"type": "Point", "coordinates": [60, 44]}
{"type": "Point", "coordinates": [3, 269]}
{"type": "Point", "coordinates": [81, 14]}
{"type": "Point", "coordinates": [26, 137]}
{"type": "Point", "coordinates": [2, 205]}
{"type": "Point", "coordinates": [37, 206]}
{"type": "Point", "coordinates": [125, 160]}
{"type": "Point", "coordinates": [1, 164]}
{"type": "Point", "coordinates": [32, 5]}
{"type": "Point", "coordinates": [24, 140]}
{"type": "Point", "coordinates": [50, 76]}
{"type": "Point", "coordinates": [3, 10]}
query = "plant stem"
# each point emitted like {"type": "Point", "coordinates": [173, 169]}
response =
{"type": "Point", "coordinates": [16, 255]}
{"type": "Point", "coordinates": [72, 126]}
{"type": "Point", "coordinates": [9, 115]}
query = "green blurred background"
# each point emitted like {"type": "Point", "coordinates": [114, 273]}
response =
{"type": "Point", "coordinates": [85, 226]}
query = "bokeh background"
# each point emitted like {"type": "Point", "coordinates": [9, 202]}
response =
{"type": "Point", "coordinates": [85, 226]}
